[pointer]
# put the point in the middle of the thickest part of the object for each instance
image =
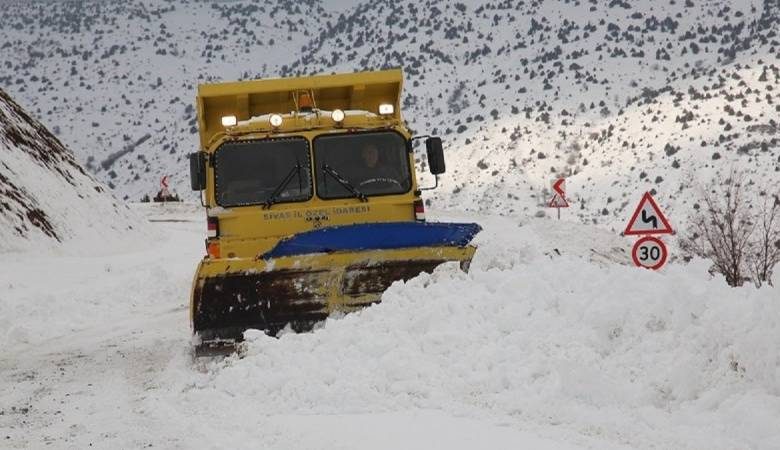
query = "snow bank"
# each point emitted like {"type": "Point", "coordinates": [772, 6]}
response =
{"type": "Point", "coordinates": [551, 341]}
{"type": "Point", "coordinates": [537, 333]}
{"type": "Point", "coordinates": [45, 196]}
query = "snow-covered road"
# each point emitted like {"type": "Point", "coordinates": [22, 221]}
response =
{"type": "Point", "coordinates": [86, 337]}
{"type": "Point", "coordinates": [548, 343]}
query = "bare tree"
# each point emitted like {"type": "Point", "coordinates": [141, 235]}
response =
{"type": "Point", "coordinates": [721, 230]}
{"type": "Point", "coordinates": [766, 248]}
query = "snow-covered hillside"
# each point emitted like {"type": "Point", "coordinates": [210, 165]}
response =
{"type": "Point", "coordinates": [45, 196]}
{"type": "Point", "coordinates": [550, 342]}
{"type": "Point", "coordinates": [116, 80]}
{"type": "Point", "coordinates": [621, 96]}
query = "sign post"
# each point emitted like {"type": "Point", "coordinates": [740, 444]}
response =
{"type": "Point", "coordinates": [647, 220]}
{"type": "Point", "coordinates": [164, 192]}
{"type": "Point", "coordinates": [558, 200]}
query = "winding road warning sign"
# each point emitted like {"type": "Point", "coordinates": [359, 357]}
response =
{"type": "Point", "coordinates": [648, 219]}
{"type": "Point", "coordinates": [558, 201]}
{"type": "Point", "coordinates": [650, 253]}
{"type": "Point", "coordinates": [559, 197]}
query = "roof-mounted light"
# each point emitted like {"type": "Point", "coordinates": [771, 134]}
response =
{"type": "Point", "coordinates": [275, 120]}
{"type": "Point", "coordinates": [305, 102]}
{"type": "Point", "coordinates": [386, 109]}
{"type": "Point", "coordinates": [337, 115]}
{"type": "Point", "coordinates": [229, 121]}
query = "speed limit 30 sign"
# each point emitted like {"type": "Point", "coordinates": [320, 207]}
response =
{"type": "Point", "coordinates": [650, 253]}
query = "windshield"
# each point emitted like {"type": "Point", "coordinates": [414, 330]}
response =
{"type": "Point", "coordinates": [365, 164]}
{"type": "Point", "coordinates": [251, 172]}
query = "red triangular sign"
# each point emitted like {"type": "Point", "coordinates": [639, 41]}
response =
{"type": "Point", "coordinates": [648, 219]}
{"type": "Point", "coordinates": [558, 201]}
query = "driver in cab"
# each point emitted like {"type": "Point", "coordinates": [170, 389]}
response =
{"type": "Point", "coordinates": [373, 172]}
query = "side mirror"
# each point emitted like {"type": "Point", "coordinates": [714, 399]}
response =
{"type": "Point", "coordinates": [198, 171]}
{"type": "Point", "coordinates": [435, 155]}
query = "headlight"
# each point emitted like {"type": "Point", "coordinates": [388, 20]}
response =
{"type": "Point", "coordinates": [385, 109]}
{"type": "Point", "coordinates": [275, 120]}
{"type": "Point", "coordinates": [229, 121]}
{"type": "Point", "coordinates": [337, 115]}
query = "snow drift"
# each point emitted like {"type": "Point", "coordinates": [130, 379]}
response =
{"type": "Point", "coordinates": [551, 335]}
{"type": "Point", "coordinates": [45, 196]}
{"type": "Point", "coordinates": [546, 329]}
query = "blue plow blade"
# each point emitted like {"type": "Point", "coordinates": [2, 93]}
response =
{"type": "Point", "coordinates": [376, 236]}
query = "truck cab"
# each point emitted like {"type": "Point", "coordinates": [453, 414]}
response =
{"type": "Point", "coordinates": [310, 181]}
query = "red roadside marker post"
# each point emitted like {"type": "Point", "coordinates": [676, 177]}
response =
{"type": "Point", "coordinates": [558, 200]}
{"type": "Point", "coordinates": [647, 220]}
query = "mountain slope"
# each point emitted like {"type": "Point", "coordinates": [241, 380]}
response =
{"type": "Point", "coordinates": [621, 96]}
{"type": "Point", "coordinates": [45, 196]}
{"type": "Point", "coordinates": [116, 80]}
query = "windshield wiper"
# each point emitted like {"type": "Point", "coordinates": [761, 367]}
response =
{"type": "Point", "coordinates": [272, 199]}
{"type": "Point", "coordinates": [347, 185]}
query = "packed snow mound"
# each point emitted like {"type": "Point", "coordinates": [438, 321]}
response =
{"type": "Point", "coordinates": [550, 338]}
{"type": "Point", "coordinates": [538, 333]}
{"type": "Point", "coordinates": [46, 196]}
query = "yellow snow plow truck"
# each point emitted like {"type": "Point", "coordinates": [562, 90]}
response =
{"type": "Point", "coordinates": [312, 203]}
